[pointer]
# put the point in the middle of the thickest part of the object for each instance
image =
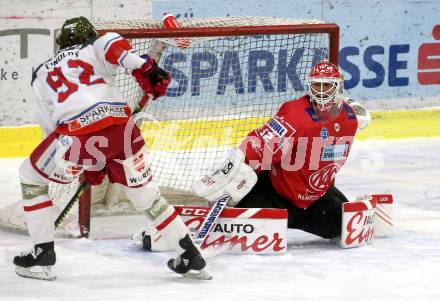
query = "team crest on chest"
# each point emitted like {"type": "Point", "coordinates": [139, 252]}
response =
{"type": "Point", "coordinates": [324, 133]}
{"type": "Point", "coordinates": [337, 127]}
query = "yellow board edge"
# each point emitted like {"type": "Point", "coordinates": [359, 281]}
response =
{"type": "Point", "coordinates": [20, 141]}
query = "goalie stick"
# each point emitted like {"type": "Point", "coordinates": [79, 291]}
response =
{"type": "Point", "coordinates": [211, 218]}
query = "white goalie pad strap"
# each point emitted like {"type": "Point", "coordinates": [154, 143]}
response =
{"type": "Point", "coordinates": [237, 230]}
{"type": "Point", "coordinates": [234, 178]}
{"type": "Point", "coordinates": [383, 219]}
{"type": "Point", "coordinates": [357, 223]}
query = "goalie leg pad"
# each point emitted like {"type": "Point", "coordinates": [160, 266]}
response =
{"type": "Point", "coordinates": [383, 219]}
{"type": "Point", "coordinates": [357, 223]}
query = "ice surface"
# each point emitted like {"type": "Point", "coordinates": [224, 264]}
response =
{"type": "Point", "coordinates": [403, 267]}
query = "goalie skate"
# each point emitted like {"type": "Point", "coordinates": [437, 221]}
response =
{"type": "Point", "coordinates": [190, 263]}
{"type": "Point", "coordinates": [37, 263]}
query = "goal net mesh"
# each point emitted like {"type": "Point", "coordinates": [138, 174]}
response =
{"type": "Point", "coordinates": [223, 87]}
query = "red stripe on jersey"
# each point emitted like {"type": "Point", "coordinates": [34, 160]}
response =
{"type": "Point", "coordinates": [38, 206]}
{"type": "Point", "coordinates": [116, 49]}
{"type": "Point", "coordinates": [167, 221]}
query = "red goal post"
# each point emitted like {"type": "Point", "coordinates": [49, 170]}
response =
{"type": "Point", "coordinates": [330, 28]}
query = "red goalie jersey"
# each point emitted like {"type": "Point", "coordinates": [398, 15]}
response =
{"type": "Point", "coordinates": [302, 153]}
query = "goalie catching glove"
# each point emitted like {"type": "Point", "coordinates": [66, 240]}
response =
{"type": "Point", "coordinates": [152, 79]}
{"type": "Point", "coordinates": [234, 178]}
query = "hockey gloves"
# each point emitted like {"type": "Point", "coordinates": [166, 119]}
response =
{"type": "Point", "coordinates": [152, 79]}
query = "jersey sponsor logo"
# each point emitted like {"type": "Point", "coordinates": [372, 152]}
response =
{"type": "Point", "coordinates": [72, 170]}
{"type": "Point", "coordinates": [334, 152]}
{"type": "Point", "coordinates": [96, 114]}
{"type": "Point", "coordinates": [308, 196]}
{"type": "Point", "coordinates": [323, 178]}
{"type": "Point", "coordinates": [62, 177]}
{"type": "Point", "coordinates": [140, 179]}
{"type": "Point", "coordinates": [277, 127]}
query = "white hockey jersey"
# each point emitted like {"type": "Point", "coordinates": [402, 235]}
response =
{"type": "Point", "coordinates": [75, 89]}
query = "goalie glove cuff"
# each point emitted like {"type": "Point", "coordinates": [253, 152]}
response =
{"type": "Point", "coordinates": [234, 178]}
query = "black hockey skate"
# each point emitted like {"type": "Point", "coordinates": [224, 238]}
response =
{"type": "Point", "coordinates": [190, 263]}
{"type": "Point", "coordinates": [37, 263]}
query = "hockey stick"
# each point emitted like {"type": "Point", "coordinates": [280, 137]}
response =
{"type": "Point", "coordinates": [76, 197]}
{"type": "Point", "coordinates": [211, 218]}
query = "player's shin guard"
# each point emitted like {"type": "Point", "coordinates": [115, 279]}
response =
{"type": "Point", "coordinates": [39, 214]}
{"type": "Point", "coordinates": [166, 220]}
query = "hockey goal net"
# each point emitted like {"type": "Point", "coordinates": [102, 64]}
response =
{"type": "Point", "coordinates": [229, 76]}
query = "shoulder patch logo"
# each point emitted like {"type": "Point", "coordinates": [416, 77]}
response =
{"type": "Point", "coordinates": [277, 127]}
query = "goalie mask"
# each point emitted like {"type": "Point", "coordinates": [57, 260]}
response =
{"type": "Point", "coordinates": [325, 84]}
{"type": "Point", "coordinates": [76, 31]}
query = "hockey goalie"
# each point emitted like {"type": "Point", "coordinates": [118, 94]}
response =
{"type": "Point", "coordinates": [291, 162]}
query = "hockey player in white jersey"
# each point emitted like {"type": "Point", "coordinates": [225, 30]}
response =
{"type": "Point", "coordinates": [89, 129]}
